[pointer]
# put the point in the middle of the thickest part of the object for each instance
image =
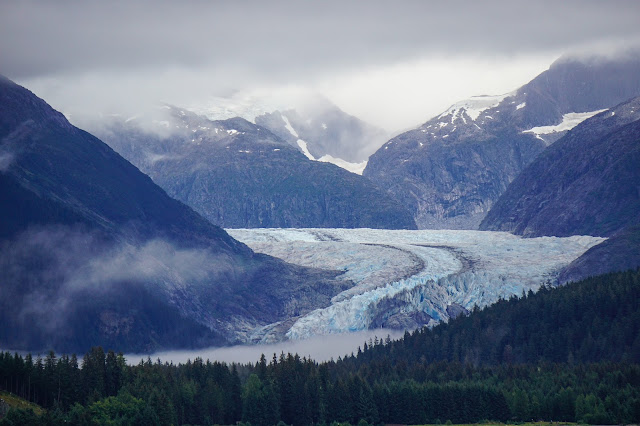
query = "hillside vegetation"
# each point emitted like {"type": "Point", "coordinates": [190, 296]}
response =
{"type": "Point", "coordinates": [563, 354]}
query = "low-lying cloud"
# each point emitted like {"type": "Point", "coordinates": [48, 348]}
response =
{"type": "Point", "coordinates": [320, 348]}
{"type": "Point", "coordinates": [47, 268]}
{"type": "Point", "coordinates": [6, 159]}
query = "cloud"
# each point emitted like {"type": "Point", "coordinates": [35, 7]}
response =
{"type": "Point", "coordinates": [321, 348]}
{"type": "Point", "coordinates": [287, 37]}
{"type": "Point", "coordinates": [122, 56]}
{"type": "Point", "coordinates": [48, 268]}
{"type": "Point", "coordinates": [6, 159]}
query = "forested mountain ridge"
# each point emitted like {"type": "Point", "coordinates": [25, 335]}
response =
{"type": "Point", "coordinates": [594, 320]}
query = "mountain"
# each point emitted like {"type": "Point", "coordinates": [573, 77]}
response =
{"type": "Point", "coordinates": [240, 175]}
{"type": "Point", "coordinates": [451, 170]}
{"type": "Point", "coordinates": [326, 133]}
{"type": "Point", "coordinates": [619, 253]}
{"type": "Point", "coordinates": [585, 183]}
{"type": "Point", "coordinates": [94, 253]}
{"type": "Point", "coordinates": [307, 121]}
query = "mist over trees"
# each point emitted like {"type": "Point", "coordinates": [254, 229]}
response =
{"type": "Point", "coordinates": [565, 354]}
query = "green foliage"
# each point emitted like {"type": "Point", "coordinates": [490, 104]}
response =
{"type": "Point", "coordinates": [121, 409]}
{"type": "Point", "coordinates": [19, 416]}
{"type": "Point", "coordinates": [260, 405]}
{"type": "Point", "coordinates": [388, 382]}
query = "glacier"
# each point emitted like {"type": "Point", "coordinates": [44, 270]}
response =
{"type": "Point", "coordinates": [405, 277]}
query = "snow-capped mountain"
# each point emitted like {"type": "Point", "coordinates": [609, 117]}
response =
{"type": "Point", "coordinates": [309, 122]}
{"type": "Point", "coordinates": [585, 183]}
{"type": "Point", "coordinates": [325, 133]}
{"type": "Point", "coordinates": [238, 174]}
{"type": "Point", "coordinates": [450, 170]}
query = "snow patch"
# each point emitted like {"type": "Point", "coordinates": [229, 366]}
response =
{"type": "Point", "coordinates": [356, 168]}
{"type": "Point", "coordinates": [305, 150]}
{"type": "Point", "coordinates": [289, 127]}
{"type": "Point", "coordinates": [474, 106]}
{"type": "Point", "coordinates": [569, 121]}
{"type": "Point", "coordinates": [522, 105]}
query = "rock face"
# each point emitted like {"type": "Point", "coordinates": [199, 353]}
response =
{"type": "Point", "coordinates": [240, 175]}
{"type": "Point", "coordinates": [92, 252]}
{"type": "Point", "coordinates": [619, 253]}
{"type": "Point", "coordinates": [307, 121]}
{"type": "Point", "coordinates": [587, 183]}
{"type": "Point", "coordinates": [451, 170]}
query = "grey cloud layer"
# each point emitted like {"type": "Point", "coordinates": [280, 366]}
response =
{"type": "Point", "coordinates": [288, 37]}
{"type": "Point", "coordinates": [72, 260]}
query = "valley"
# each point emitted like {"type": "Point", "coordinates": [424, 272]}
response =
{"type": "Point", "coordinates": [404, 279]}
{"type": "Point", "coordinates": [319, 213]}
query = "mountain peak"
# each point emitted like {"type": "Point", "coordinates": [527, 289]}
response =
{"type": "Point", "coordinates": [450, 170]}
{"type": "Point", "coordinates": [474, 106]}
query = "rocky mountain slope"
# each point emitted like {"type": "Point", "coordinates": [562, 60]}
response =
{"type": "Point", "coordinates": [619, 253]}
{"type": "Point", "coordinates": [308, 121]}
{"type": "Point", "coordinates": [451, 170]}
{"type": "Point", "coordinates": [240, 175]}
{"type": "Point", "coordinates": [92, 252]}
{"type": "Point", "coordinates": [326, 133]}
{"type": "Point", "coordinates": [585, 183]}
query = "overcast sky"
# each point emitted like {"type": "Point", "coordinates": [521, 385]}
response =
{"type": "Point", "coordinates": [392, 63]}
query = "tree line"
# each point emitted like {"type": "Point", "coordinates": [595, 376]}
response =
{"type": "Point", "coordinates": [503, 363]}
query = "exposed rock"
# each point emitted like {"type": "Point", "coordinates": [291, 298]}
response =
{"type": "Point", "coordinates": [451, 170]}
{"type": "Point", "coordinates": [92, 252]}
{"type": "Point", "coordinates": [587, 183]}
{"type": "Point", "coordinates": [455, 310]}
{"type": "Point", "coordinates": [239, 175]}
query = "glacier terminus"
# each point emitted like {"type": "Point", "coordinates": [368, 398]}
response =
{"type": "Point", "coordinates": [406, 279]}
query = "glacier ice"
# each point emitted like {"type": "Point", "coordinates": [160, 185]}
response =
{"type": "Point", "coordinates": [400, 272]}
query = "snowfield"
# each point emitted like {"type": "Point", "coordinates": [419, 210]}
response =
{"type": "Point", "coordinates": [404, 279]}
{"type": "Point", "coordinates": [569, 121]}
